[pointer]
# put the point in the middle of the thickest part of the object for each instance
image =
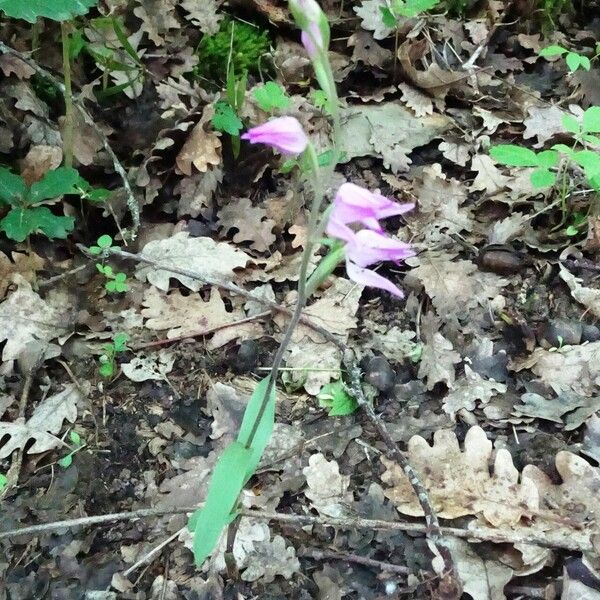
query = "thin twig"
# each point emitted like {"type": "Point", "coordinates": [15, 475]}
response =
{"type": "Point", "coordinates": [132, 203]}
{"type": "Point", "coordinates": [317, 554]}
{"type": "Point", "coordinates": [53, 280]}
{"type": "Point", "coordinates": [156, 550]}
{"type": "Point", "coordinates": [393, 452]}
{"type": "Point", "coordinates": [229, 287]}
{"type": "Point", "coordinates": [552, 538]}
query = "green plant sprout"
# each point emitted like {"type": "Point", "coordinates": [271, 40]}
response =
{"type": "Point", "coordinates": [28, 211]}
{"type": "Point", "coordinates": [407, 9]}
{"type": "Point", "coordinates": [574, 60]}
{"type": "Point", "coordinates": [117, 282]}
{"type": "Point", "coordinates": [77, 445]}
{"type": "Point", "coordinates": [271, 97]}
{"type": "Point", "coordinates": [3, 481]}
{"type": "Point", "coordinates": [335, 398]}
{"type": "Point", "coordinates": [548, 164]}
{"type": "Point", "coordinates": [110, 350]}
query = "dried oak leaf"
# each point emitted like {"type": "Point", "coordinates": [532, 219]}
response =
{"type": "Point", "coordinates": [439, 201]}
{"type": "Point", "coordinates": [157, 17]}
{"type": "Point", "coordinates": [489, 179]}
{"type": "Point", "coordinates": [543, 122]}
{"type": "Point", "coordinates": [369, 12]}
{"type": "Point", "coordinates": [470, 388]}
{"type": "Point", "coordinates": [314, 360]}
{"type": "Point", "coordinates": [43, 425]}
{"type": "Point", "coordinates": [183, 315]}
{"type": "Point", "coordinates": [327, 489]}
{"type": "Point", "coordinates": [250, 221]}
{"type": "Point", "coordinates": [146, 366]}
{"type": "Point", "coordinates": [201, 149]}
{"type": "Point", "coordinates": [454, 286]}
{"type": "Point", "coordinates": [587, 296]}
{"type": "Point", "coordinates": [25, 264]}
{"type": "Point", "coordinates": [202, 255]}
{"type": "Point", "coordinates": [271, 558]}
{"type": "Point", "coordinates": [25, 319]}
{"type": "Point", "coordinates": [578, 496]}
{"type": "Point", "coordinates": [575, 368]}
{"type": "Point", "coordinates": [459, 483]}
{"type": "Point", "coordinates": [438, 356]}
{"type": "Point", "coordinates": [203, 14]}
{"type": "Point", "coordinates": [420, 103]}
{"type": "Point", "coordinates": [196, 192]}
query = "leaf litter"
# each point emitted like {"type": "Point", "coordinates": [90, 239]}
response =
{"type": "Point", "coordinates": [472, 378]}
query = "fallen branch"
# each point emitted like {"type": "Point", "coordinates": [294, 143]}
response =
{"type": "Point", "coordinates": [543, 539]}
{"type": "Point", "coordinates": [132, 203]}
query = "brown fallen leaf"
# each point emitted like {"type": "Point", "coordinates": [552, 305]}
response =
{"type": "Point", "coordinates": [25, 264]}
{"type": "Point", "coordinates": [201, 149]}
{"type": "Point", "coordinates": [459, 482]}
{"type": "Point", "coordinates": [250, 221]}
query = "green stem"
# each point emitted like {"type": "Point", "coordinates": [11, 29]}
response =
{"type": "Point", "coordinates": [68, 96]}
{"type": "Point", "coordinates": [315, 230]}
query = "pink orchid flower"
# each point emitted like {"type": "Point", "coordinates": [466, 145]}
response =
{"type": "Point", "coordinates": [284, 133]}
{"type": "Point", "coordinates": [366, 247]}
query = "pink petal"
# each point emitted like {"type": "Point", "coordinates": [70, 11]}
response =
{"type": "Point", "coordinates": [284, 133]}
{"type": "Point", "coordinates": [372, 279]}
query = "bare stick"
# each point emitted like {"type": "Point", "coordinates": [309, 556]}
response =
{"type": "Point", "coordinates": [552, 538]}
{"type": "Point", "coordinates": [433, 525]}
{"type": "Point", "coordinates": [230, 287]}
{"type": "Point", "coordinates": [355, 558]}
{"type": "Point", "coordinates": [132, 203]}
{"type": "Point", "coordinates": [156, 550]}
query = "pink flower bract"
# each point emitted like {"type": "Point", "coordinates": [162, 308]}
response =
{"type": "Point", "coordinates": [284, 133]}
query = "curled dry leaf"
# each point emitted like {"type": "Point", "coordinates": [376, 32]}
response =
{"type": "Point", "coordinates": [201, 149]}
{"type": "Point", "coordinates": [214, 260]}
{"type": "Point", "coordinates": [438, 356]}
{"type": "Point", "coordinates": [149, 366]}
{"type": "Point", "coordinates": [459, 482]}
{"type": "Point", "coordinates": [25, 264]}
{"type": "Point", "coordinates": [157, 18]}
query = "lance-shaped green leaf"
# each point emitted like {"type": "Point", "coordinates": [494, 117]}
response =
{"type": "Point", "coordinates": [227, 480]}
{"type": "Point", "coordinates": [58, 10]}
{"type": "Point", "coordinates": [12, 187]}
{"type": "Point", "coordinates": [262, 431]}
{"type": "Point", "coordinates": [55, 183]}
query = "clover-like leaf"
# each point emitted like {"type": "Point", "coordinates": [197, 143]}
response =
{"type": "Point", "coordinates": [58, 10]}
{"type": "Point", "coordinates": [334, 397]}
{"type": "Point", "coordinates": [552, 51]}
{"type": "Point", "coordinates": [19, 223]}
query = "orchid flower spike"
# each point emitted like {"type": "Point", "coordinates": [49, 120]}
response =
{"type": "Point", "coordinates": [284, 134]}
{"type": "Point", "coordinates": [368, 246]}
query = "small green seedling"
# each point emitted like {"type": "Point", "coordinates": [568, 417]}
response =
{"type": "Point", "coordinates": [3, 481]}
{"type": "Point", "coordinates": [519, 156]}
{"type": "Point", "coordinates": [107, 359]}
{"type": "Point", "coordinates": [77, 445]}
{"type": "Point", "coordinates": [574, 60]}
{"type": "Point", "coordinates": [28, 213]}
{"type": "Point", "coordinates": [335, 398]}
{"type": "Point", "coordinates": [116, 282]}
{"type": "Point", "coordinates": [271, 96]}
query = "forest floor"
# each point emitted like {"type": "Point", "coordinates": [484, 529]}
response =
{"type": "Point", "coordinates": [487, 375]}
